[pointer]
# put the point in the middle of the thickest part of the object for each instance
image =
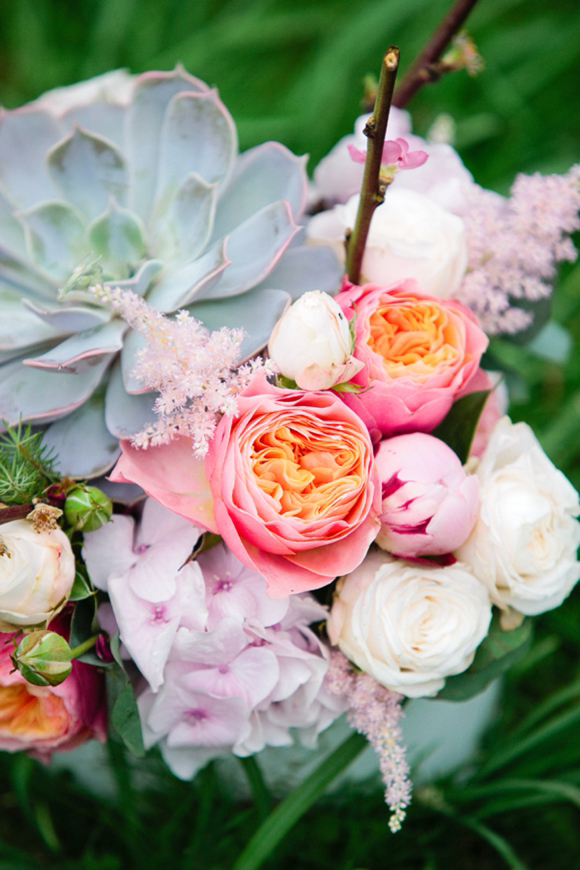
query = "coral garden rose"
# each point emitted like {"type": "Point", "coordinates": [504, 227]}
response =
{"type": "Point", "coordinates": [409, 626]}
{"type": "Point", "coordinates": [45, 719]}
{"type": "Point", "coordinates": [37, 571]}
{"type": "Point", "coordinates": [295, 495]}
{"type": "Point", "coordinates": [420, 352]}
{"type": "Point", "coordinates": [430, 504]}
{"type": "Point", "coordinates": [525, 541]}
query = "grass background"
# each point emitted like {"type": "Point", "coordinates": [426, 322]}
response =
{"type": "Point", "coordinates": [293, 72]}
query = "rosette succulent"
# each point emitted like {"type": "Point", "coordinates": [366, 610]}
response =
{"type": "Point", "coordinates": [134, 182]}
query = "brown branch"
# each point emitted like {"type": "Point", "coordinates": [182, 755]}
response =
{"type": "Point", "coordinates": [425, 68]}
{"type": "Point", "coordinates": [372, 191]}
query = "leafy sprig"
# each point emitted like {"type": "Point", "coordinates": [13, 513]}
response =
{"type": "Point", "coordinates": [26, 465]}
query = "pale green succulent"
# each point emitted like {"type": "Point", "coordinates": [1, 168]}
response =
{"type": "Point", "coordinates": [143, 176]}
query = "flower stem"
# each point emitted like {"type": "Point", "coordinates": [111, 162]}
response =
{"type": "Point", "coordinates": [424, 69]}
{"type": "Point", "coordinates": [82, 648]}
{"type": "Point", "coordinates": [372, 191]}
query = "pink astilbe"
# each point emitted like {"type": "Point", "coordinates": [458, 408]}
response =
{"type": "Point", "coordinates": [375, 711]}
{"type": "Point", "coordinates": [514, 246]}
{"type": "Point", "coordinates": [195, 371]}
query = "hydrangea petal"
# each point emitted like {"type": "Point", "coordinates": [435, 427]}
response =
{"type": "Point", "coordinates": [89, 170]}
{"type": "Point", "coordinates": [25, 137]}
{"type": "Point", "coordinates": [84, 350]}
{"type": "Point", "coordinates": [198, 135]}
{"type": "Point", "coordinates": [261, 175]}
{"type": "Point", "coordinates": [182, 233]}
{"type": "Point", "coordinates": [118, 236]}
{"type": "Point", "coordinates": [152, 94]}
{"type": "Point", "coordinates": [54, 234]}
{"type": "Point", "coordinates": [256, 312]}
{"type": "Point", "coordinates": [109, 550]}
{"type": "Point", "coordinates": [33, 394]}
{"type": "Point", "coordinates": [84, 446]}
{"type": "Point", "coordinates": [254, 247]}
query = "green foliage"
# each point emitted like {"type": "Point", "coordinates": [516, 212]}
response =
{"type": "Point", "coordinates": [458, 427]}
{"type": "Point", "coordinates": [26, 466]}
{"type": "Point", "coordinates": [499, 651]}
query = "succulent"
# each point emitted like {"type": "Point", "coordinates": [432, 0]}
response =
{"type": "Point", "coordinates": [134, 182]}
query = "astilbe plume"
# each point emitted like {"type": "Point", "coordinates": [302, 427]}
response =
{"type": "Point", "coordinates": [376, 712]}
{"type": "Point", "coordinates": [195, 371]}
{"type": "Point", "coordinates": [515, 244]}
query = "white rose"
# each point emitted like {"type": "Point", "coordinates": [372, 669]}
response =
{"type": "Point", "coordinates": [408, 625]}
{"type": "Point", "coordinates": [524, 543]}
{"type": "Point", "coordinates": [410, 237]}
{"type": "Point", "coordinates": [312, 344]}
{"type": "Point", "coordinates": [37, 571]}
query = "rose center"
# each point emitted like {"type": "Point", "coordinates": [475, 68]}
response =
{"type": "Point", "coordinates": [30, 717]}
{"type": "Point", "coordinates": [308, 473]}
{"type": "Point", "coordinates": [413, 339]}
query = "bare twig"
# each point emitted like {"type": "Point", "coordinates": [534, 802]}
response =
{"type": "Point", "coordinates": [425, 68]}
{"type": "Point", "coordinates": [373, 191]}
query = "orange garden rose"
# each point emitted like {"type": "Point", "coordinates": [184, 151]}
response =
{"type": "Point", "coordinates": [295, 493]}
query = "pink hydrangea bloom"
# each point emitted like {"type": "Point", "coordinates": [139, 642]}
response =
{"type": "Point", "coordinates": [395, 153]}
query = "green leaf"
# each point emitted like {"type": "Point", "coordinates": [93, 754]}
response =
{"type": "Point", "coordinates": [126, 722]}
{"type": "Point", "coordinates": [347, 387]}
{"type": "Point", "coordinates": [82, 586]}
{"type": "Point", "coordinates": [286, 814]}
{"type": "Point", "coordinates": [458, 427]}
{"type": "Point", "coordinates": [83, 621]}
{"type": "Point", "coordinates": [286, 383]}
{"type": "Point", "coordinates": [495, 655]}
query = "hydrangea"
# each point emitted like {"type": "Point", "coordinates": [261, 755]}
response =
{"type": "Point", "coordinates": [134, 182]}
{"type": "Point", "coordinates": [225, 667]}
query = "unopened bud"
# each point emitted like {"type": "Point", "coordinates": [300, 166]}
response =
{"type": "Point", "coordinates": [87, 508]}
{"type": "Point", "coordinates": [43, 658]}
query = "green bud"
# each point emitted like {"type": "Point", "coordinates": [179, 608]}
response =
{"type": "Point", "coordinates": [87, 508]}
{"type": "Point", "coordinates": [43, 658]}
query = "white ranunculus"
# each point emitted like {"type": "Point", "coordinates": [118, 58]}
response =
{"type": "Point", "coordinates": [312, 344]}
{"type": "Point", "coordinates": [525, 541]}
{"type": "Point", "coordinates": [409, 625]}
{"type": "Point", "coordinates": [37, 571]}
{"type": "Point", "coordinates": [410, 236]}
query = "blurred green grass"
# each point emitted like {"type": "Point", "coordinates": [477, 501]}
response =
{"type": "Point", "coordinates": [293, 72]}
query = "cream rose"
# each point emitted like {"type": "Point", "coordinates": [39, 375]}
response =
{"type": "Point", "coordinates": [410, 237]}
{"type": "Point", "coordinates": [37, 571]}
{"type": "Point", "coordinates": [312, 344]}
{"type": "Point", "coordinates": [409, 625]}
{"type": "Point", "coordinates": [524, 543]}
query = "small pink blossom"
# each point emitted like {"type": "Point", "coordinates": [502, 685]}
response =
{"type": "Point", "coordinates": [395, 153]}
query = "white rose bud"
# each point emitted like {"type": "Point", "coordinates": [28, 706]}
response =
{"type": "Point", "coordinates": [524, 543]}
{"type": "Point", "coordinates": [311, 344]}
{"type": "Point", "coordinates": [37, 571]}
{"type": "Point", "coordinates": [409, 625]}
{"type": "Point", "coordinates": [410, 236]}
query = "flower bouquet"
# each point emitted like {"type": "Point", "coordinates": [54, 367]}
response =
{"type": "Point", "coordinates": [268, 477]}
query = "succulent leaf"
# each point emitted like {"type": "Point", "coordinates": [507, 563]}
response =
{"type": "Point", "coordinates": [83, 350]}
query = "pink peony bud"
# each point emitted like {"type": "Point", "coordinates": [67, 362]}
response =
{"type": "Point", "coordinates": [429, 503]}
